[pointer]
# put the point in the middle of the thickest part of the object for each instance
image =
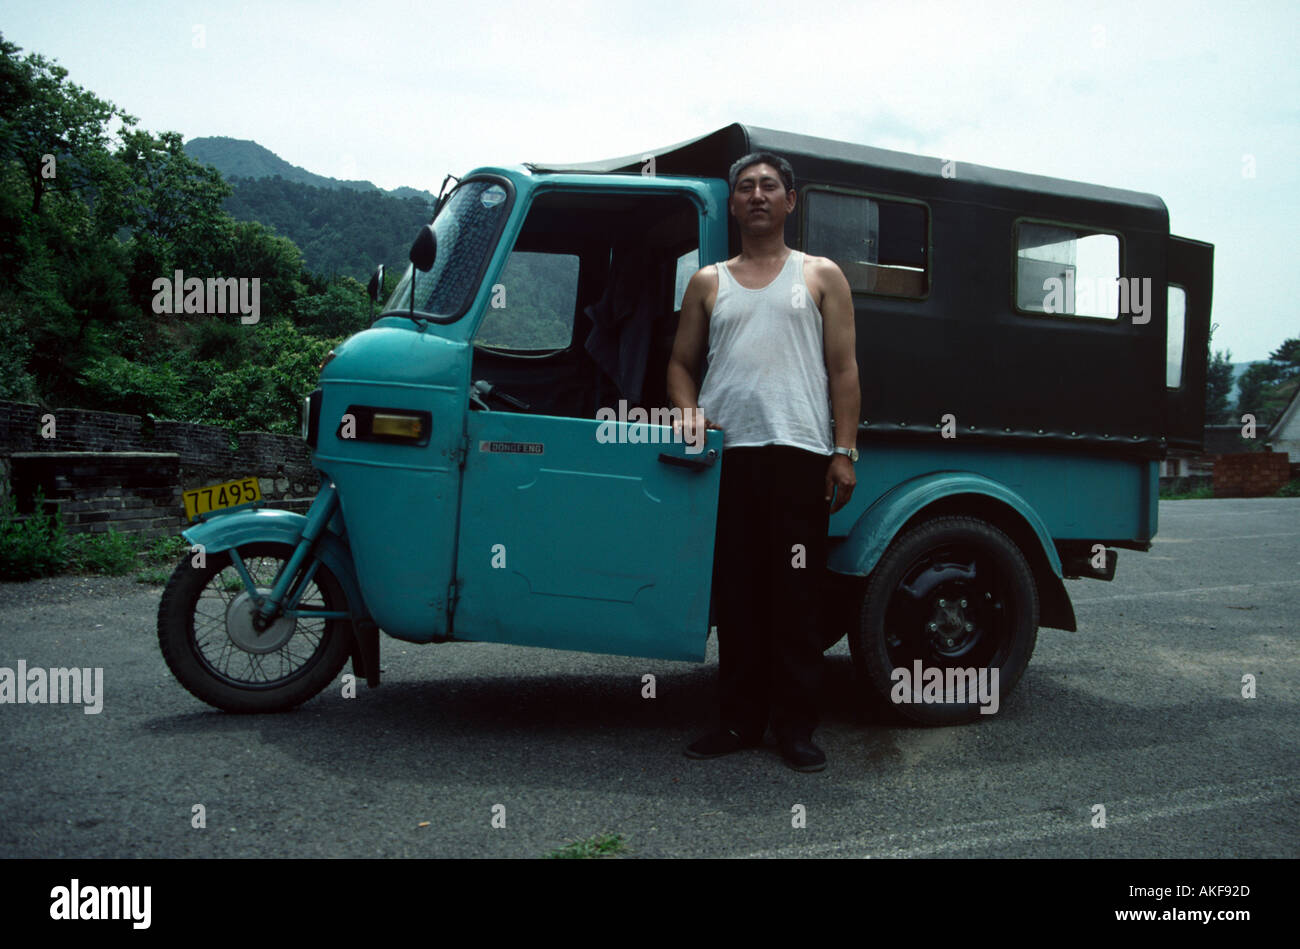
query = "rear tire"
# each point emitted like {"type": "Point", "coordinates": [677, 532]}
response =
{"type": "Point", "coordinates": [206, 639]}
{"type": "Point", "coordinates": [954, 592]}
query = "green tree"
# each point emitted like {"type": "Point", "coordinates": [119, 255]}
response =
{"type": "Point", "coordinates": [53, 129]}
{"type": "Point", "coordinates": [221, 341]}
{"type": "Point", "coordinates": [265, 391]}
{"type": "Point", "coordinates": [249, 249]}
{"type": "Point", "coordinates": [1218, 387]}
{"type": "Point", "coordinates": [116, 384]}
{"type": "Point", "coordinates": [341, 310]}
{"type": "Point", "coordinates": [80, 252]}
{"type": "Point", "coordinates": [58, 269]}
{"type": "Point", "coordinates": [16, 383]}
{"type": "Point", "coordinates": [1266, 387]}
{"type": "Point", "coordinates": [1287, 358]}
{"type": "Point", "coordinates": [171, 205]}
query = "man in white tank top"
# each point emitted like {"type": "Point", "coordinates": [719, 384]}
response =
{"type": "Point", "coordinates": [778, 329]}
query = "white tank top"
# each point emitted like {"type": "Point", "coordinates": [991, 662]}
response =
{"type": "Point", "coordinates": [766, 383]}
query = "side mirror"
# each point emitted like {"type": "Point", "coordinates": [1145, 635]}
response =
{"type": "Point", "coordinates": [425, 249]}
{"type": "Point", "coordinates": [376, 284]}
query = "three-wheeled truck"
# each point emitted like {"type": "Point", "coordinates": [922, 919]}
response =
{"type": "Point", "coordinates": [1029, 349]}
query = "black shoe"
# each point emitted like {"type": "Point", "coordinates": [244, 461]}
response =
{"type": "Point", "coordinates": [801, 754]}
{"type": "Point", "coordinates": [719, 743]}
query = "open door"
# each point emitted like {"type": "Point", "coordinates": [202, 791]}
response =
{"type": "Point", "coordinates": [573, 542]}
{"type": "Point", "coordinates": [1191, 283]}
{"type": "Point", "coordinates": [578, 532]}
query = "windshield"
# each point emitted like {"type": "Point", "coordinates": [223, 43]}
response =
{"type": "Point", "coordinates": [467, 228]}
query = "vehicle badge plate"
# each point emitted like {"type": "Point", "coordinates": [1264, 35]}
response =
{"type": "Point", "coordinates": [512, 448]}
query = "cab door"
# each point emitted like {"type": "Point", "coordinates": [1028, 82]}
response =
{"type": "Point", "coordinates": [573, 540]}
{"type": "Point", "coordinates": [1191, 283]}
{"type": "Point", "coordinates": [577, 532]}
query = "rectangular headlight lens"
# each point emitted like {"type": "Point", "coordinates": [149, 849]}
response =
{"type": "Point", "coordinates": [397, 426]}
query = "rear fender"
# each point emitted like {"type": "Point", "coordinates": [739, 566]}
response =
{"type": "Point", "coordinates": [943, 493]}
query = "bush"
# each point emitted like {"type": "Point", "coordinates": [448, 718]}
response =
{"type": "Point", "coordinates": [111, 553]}
{"type": "Point", "coordinates": [40, 546]}
{"type": "Point", "coordinates": [116, 384]}
{"type": "Point", "coordinates": [165, 551]}
{"type": "Point", "coordinates": [1202, 492]}
{"type": "Point", "coordinates": [263, 393]}
{"type": "Point", "coordinates": [35, 546]}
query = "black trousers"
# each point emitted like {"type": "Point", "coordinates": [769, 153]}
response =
{"type": "Point", "coordinates": [769, 559]}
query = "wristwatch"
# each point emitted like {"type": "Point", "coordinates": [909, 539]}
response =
{"type": "Point", "coordinates": [851, 452]}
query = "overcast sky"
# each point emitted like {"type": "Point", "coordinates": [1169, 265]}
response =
{"type": "Point", "coordinates": [1198, 103]}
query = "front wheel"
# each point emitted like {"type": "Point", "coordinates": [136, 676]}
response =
{"type": "Point", "coordinates": [209, 640]}
{"type": "Point", "coordinates": [955, 595]}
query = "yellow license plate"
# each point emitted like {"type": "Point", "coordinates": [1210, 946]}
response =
{"type": "Point", "coordinates": [218, 496]}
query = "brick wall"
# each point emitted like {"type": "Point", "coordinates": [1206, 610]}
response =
{"type": "Point", "coordinates": [132, 492]}
{"type": "Point", "coordinates": [1250, 474]}
{"type": "Point", "coordinates": [102, 469]}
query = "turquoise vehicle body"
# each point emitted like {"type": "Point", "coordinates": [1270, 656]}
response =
{"type": "Point", "coordinates": [501, 523]}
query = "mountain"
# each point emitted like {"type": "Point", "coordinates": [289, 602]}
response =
{"type": "Point", "coordinates": [405, 192]}
{"type": "Point", "coordinates": [341, 227]}
{"type": "Point", "coordinates": [339, 231]}
{"type": "Point", "coordinates": [241, 158]}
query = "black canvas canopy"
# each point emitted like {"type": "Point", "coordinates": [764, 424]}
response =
{"type": "Point", "coordinates": [825, 160]}
{"type": "Point", "coordinates": [965, 347]}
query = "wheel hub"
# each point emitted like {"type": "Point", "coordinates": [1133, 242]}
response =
{"type": "Point", "coordinates": [952, 629]}
{"type": "Point", "coordinates": [242, 622]}
{"type": "Point", "coordinates": [951, 602]}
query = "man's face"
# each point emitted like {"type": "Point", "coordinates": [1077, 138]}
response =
{"type": "Point", "coordinates": [760, 202]}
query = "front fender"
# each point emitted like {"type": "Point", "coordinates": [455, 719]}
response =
{"type": "Point", "coordinates": [267, 525]}
{"type": "Point", "coordinates": [246, 527]}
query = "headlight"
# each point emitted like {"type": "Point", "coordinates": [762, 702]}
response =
{"type": "Point", "coordinates": [391, 426]}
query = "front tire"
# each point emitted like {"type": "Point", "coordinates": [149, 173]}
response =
{"type": "Point", "coordinates": [206, 636]}
{"type": "Point", "coordinates": [951, 593]}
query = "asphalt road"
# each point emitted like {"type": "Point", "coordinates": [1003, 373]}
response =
{"type": "Point", "coordinates": [1141, 711]}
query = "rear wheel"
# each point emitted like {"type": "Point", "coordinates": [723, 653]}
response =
{"type": "Point", "coordinates": [954, 593]}
{"type": "Point", "coordinates": [208, 635]}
